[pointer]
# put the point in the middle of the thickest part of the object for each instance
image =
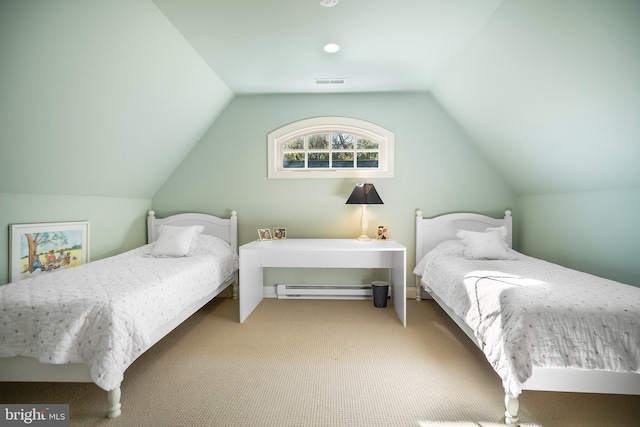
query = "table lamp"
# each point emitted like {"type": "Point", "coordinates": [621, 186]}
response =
{"type": "Point", "coordinates": [364, 194]}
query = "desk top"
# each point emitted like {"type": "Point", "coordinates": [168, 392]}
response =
{"type": "Point", "coordinates": [324, 245]}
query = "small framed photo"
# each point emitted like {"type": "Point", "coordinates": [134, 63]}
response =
{"type": "Point", "coordinates": [383, 233]}
{"type": "Point", "coordinates": [264, 234]}
{"type": "Point", "coordinates": [46, 247]}
{"type": "Point", "coordinates": [279, 233]}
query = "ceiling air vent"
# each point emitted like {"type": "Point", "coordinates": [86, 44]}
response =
{"type": "Point", "coordinates": [330, 81]}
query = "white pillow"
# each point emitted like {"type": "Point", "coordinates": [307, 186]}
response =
{"type": "Point", "coordinates": [487, 245]}
{"type": "Point", "coordinates": [196, 237]}
{"type": "Point", "coordinates": [175, 241]}
{"type": "Point", "coordinates": [502, 229]}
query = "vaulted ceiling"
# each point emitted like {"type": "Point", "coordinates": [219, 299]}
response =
{"type": "Point", "coordinates": [548, 89]}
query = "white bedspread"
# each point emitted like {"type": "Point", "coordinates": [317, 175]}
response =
{"type": "Point", "coordinates": [102, 314]}
{"type": "Point", "coordinates": [528, 312]}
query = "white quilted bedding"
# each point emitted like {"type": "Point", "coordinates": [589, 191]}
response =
{"type": "Point", "coordinates": [528, 312]}
{"type": "Point", "coordinates": [102, 313]}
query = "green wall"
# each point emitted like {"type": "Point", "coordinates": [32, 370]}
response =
{"type": "Point", "coordinates": [437, 169]}
{"type": "Point", "coordinates": [100, 102]}
{"type": "Point", "coordinates": [116, 224]}
{"type": "Point", "coordinates": [100, 98]}
{"type": "Point", "coordinates": [596, 232]}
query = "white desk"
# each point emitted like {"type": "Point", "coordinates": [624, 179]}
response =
{"type": "Point", "coordinates": [320, 253]}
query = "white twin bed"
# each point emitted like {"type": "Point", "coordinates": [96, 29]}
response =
{"type": "Point", "coordinates": [541, 326]}
{"type": "Point", "coordinates": [89, 323]}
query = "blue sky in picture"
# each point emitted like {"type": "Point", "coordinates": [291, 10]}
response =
{"type": "Point", "coordinates": [52, 240]}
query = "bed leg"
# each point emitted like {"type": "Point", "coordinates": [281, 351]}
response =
{"type": "Point", "coordinates": [418, 291]}
{"type": "Point", "coordinates": [511, 405]}
{"type": "Point", "coordinates": [113, 397]}
{"type": "Point", "coordinates": [234, 288]}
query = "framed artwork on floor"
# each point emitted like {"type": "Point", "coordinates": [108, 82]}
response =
{"type": "Point", "coordinates": [47, 247]}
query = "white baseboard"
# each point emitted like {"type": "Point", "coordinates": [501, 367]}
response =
{"type": "Point", "coordinates": [270, 291]}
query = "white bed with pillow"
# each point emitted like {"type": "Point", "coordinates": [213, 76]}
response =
{"type": "Point", "coordinates": [89, 323]}
{"type": "Point", "coordinates": [541, 326]}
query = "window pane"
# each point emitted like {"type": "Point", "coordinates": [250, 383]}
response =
{"type": "Point", "coordinates": [330, 147]}
{"type": "Point", "coordinates": [342, 160]}
{"type": "Point", "coordinates": [342, 141]}
{"type": "Point", "coordinates": [368, 160]}
{"type": "Point", "coordinates": [367, 144]}
{"type": "Point", "coordinates": [319, 141]}
{"type": "Point", "coordinates": [318, 160]}
{"type": "Point", "coordinates": [293, 160]}
{"type": "Point", "coordinates": [294, 144]}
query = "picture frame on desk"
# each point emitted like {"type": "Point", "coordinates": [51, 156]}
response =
{"type": "Point", "coordinates": [264, 234]}
{"type": "Point", "coordinates": [279, 233]}
{"type": "Point", "coordinates": [383, 233]}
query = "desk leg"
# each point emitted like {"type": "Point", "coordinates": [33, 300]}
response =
{"type": "Point", "coordinates": [251, 283]}
{"type": "Point", "coordinates": [398, 281]}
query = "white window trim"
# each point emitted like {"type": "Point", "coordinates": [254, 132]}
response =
{"type": "Point", "coordinates": [382, 136]}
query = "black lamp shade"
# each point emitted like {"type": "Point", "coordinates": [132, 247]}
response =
{"type": "Point", "coordinates": [364, 194]}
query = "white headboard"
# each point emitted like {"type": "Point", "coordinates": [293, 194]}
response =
{"type": "Point", "coordinates": [226, 229]}
{"type": "Point", "coordinates": [432, 231]}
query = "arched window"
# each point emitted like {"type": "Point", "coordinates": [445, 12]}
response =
{"type": "Point", "coordinates": [331, 147]}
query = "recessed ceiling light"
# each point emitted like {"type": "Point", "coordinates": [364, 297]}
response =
{"type": "Point", "coordinates": [331, 48]}
{"type": "Point", "coordinates": [328, 3]}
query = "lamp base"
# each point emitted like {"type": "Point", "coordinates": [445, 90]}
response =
{"type": "Point", "coordinates": [363, 238]}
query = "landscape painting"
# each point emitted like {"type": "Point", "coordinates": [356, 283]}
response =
{"type": "Point", "coordinates": [47, 247]}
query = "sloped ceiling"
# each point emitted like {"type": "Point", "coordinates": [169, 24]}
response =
{"type": "Point", "coordinates": [101, 98]}
{"type": "Point", "coordinates": [549, 90]}
{"type": "Point", "coordinates": [99, 91]}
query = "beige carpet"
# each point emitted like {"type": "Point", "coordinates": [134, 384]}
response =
{"type": "Point", "coordinates": [319, 363]}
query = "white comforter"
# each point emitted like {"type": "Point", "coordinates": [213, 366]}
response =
{"type": "Point", "coordinates": [102, 314]}
{"type": "Point", "coordinates": [528, 312]}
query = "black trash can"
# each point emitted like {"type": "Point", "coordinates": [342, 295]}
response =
{"type": "Point", "coordinates": [380, 292]}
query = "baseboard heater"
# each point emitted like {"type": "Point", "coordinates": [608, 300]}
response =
{"type": "Point", "coordinates": [324, 292]}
